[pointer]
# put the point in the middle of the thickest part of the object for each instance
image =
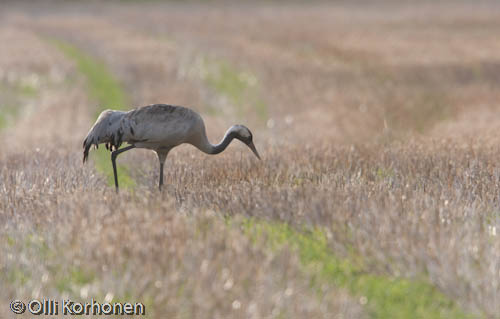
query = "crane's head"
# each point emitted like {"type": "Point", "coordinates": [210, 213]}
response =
{"type": "Point", "coordinates": [243, 134]}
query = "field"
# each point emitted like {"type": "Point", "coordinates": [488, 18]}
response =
{"type": "Point", "coordinates": [377, 195]}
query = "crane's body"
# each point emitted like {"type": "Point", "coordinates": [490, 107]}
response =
{"type": "Point", "coordinates": [158, 127]}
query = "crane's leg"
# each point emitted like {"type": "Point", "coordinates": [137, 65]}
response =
{"type": "Point", "coordinates": [161, 174]}
{"type": "Point", "coordinates": [114, 155]}
{"type": "Point", "coordinates": [162, 156]}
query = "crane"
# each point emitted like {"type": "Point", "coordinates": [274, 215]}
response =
{"type": "Point", "coordinates": [158, 127]}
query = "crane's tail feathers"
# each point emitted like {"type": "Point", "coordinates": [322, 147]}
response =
{"type": "Point", "coordinates": [111, 146]}
{"type": "Point", "coordinates": [105, 130]}
{"type": "Point", "coordinates": [86, 147]}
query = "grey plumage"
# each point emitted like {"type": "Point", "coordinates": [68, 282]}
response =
{"type": "Point", "coordinates": [158, 127]}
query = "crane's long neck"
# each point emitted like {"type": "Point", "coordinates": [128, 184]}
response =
{"type": "Point", "coordinates": [210, 148]}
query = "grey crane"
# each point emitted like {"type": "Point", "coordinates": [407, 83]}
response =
{"type": "Point", "coordinates": [158, 127]}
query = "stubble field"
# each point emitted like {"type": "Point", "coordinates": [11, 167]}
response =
{"type": "Point", "coordinates": [377, 195]}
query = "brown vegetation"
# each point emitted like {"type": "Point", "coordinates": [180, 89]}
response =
{"type": "Point", "coordinates": [381, 128]}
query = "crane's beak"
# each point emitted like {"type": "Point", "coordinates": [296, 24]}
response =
{"type": "Point", "coordinates": [254, 150]}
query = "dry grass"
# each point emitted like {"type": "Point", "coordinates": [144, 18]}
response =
{"type": "Point", "coordinates": [380, 129]}
{"type": "Point", "coordinates": [138, 247]}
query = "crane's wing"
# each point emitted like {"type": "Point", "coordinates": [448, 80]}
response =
{"type": "Point", "coordinates": [161, 124]}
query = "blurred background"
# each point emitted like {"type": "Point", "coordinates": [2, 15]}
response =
{"type": "Point", "coordinates": [377, 121]}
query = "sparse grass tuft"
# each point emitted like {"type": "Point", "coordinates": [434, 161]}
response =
{"type": "Point", "coordinates": [387, 297]}
{"type": "Point", "coordinates": [72, 280]}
